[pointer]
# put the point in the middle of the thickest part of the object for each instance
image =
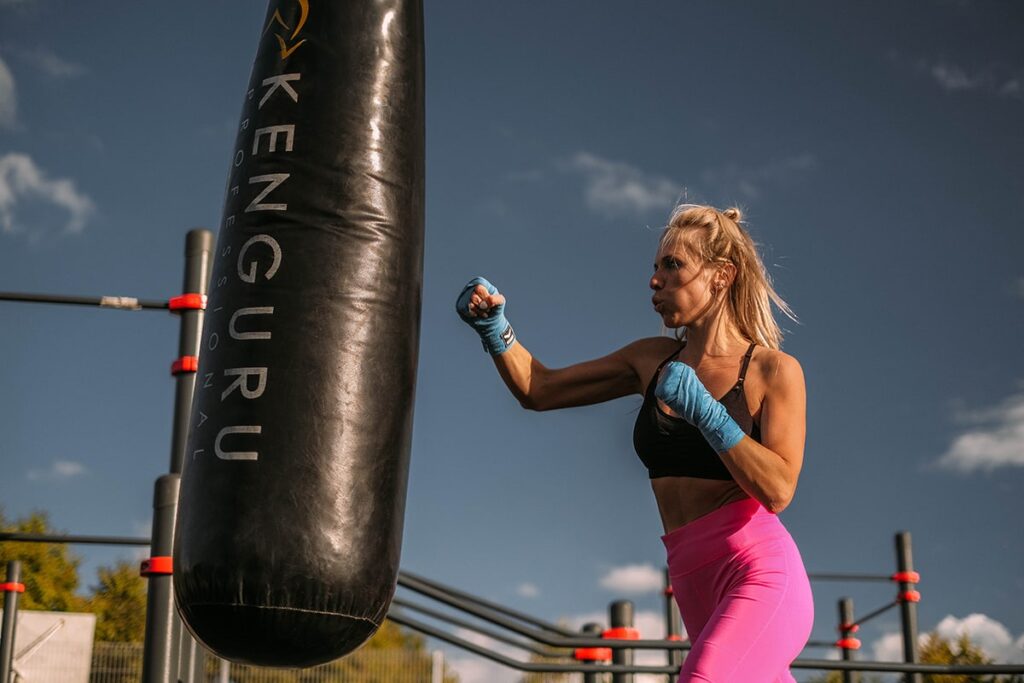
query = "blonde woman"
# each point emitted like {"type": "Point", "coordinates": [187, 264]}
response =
{"type": "Point", "coordinates": [721, 432]}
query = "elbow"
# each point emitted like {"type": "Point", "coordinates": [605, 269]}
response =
{"type": "Point", "coordinates": [776, 504]}
{"type": "Point", "coordinates": [533, 403]}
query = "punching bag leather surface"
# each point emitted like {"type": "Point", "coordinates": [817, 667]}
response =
{"type": "Point", "coordinates": [293, 492]}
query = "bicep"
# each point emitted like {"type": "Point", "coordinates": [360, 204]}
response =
{"type": "Point", "coordinates": [784, 413]}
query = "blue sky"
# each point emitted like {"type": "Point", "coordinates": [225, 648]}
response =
{"type": "Point", "coordinates": [876, 148]}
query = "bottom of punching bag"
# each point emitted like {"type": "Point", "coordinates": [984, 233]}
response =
{"type": "Point", "coordinates": [276, 636]}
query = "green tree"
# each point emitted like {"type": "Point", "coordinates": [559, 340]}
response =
{"type": "Point", "coordinates": [119, 602]}
{"type": "Point", "coordinates": [48, 570]}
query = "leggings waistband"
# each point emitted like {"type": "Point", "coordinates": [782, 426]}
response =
{"type": "Point", "coordinates": [728, 529]}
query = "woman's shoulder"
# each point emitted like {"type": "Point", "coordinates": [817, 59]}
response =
{"type": "Point", "coordinates": [776, 367]}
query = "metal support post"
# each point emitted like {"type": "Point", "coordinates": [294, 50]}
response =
{"type": "Point", "coordinates": [11, 589]}
{"type": "Point", "coordinates": [846, 631]}
{"type": "Point", "coordinates": [621, 617]}
{"type": "Point", "coordinates": [908, 608]}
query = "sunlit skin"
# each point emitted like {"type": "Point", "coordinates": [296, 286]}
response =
{"type": "Point", "coordinates": [685, 292]}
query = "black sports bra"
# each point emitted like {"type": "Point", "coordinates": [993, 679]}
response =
{"type": "Point", "coordinates": [671, 447]}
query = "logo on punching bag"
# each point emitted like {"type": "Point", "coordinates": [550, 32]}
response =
{"type": "Point", "coordinates": [288, 45]}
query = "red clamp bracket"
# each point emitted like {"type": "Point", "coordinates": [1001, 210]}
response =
{"type": "Point", "coordinates": [187, 302]}
{"type": "Point", "coordinates": [908, 596]}
{"type": "Point", "coordinates": [593, 654]}
{"type": "Point", "coordinates": [669, 592]}
{"type": "Point", "coordinates": [156, 566]}
{"type": "Point", "coordinates": [848, 643]}
{"type": "Point", "coordinates": [11, 587]}
{"type": "Point", "coordinates": [621, 633]}
{"type": "Point", "coordinates": [849, 628]}
{"type": "Point", "coordinates": [674, 637]}
{"type": "Point", "coordinates": [185, 364]}
{"type": "Point", "coordinates": [907, 577]}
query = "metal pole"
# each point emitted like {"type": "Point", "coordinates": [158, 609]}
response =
{"type": "Point", "coordinates": [908, 608]}
{"type": "Point", "coordinates": [621, 616]}
{"type": "Point", "coordinates": [198, 248]}
{"type": "Point", "coordinates": [845, 622]}
{"type": "Point", "coordinates": [673, 623]}
{"type": "Point", "coordinates": [224, 675]}
{"type": "Point", "coordinates": [11, 591]}
{"type": "Point", "coordinates": [593, 629]}
{"type": "Point", "coordinates": [161, 652]}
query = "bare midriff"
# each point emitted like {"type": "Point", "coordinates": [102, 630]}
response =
{"type": "Point", "coordinates": [681, 500]}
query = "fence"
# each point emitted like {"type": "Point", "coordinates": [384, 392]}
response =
{"type": "Point", "coordinates": [122, 663]}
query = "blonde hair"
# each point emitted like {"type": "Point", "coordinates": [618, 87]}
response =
{"type": "Point", "coordinates": [718, 237]}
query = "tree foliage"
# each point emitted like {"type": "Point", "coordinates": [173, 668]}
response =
{"type": "Point", "coordinates": [119, 602]}
{"type": "Point", "coordinates": [938, 650]}
{"type": "Point", "coordinates": [48, 570]}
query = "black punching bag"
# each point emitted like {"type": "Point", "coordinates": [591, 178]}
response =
{"type": "Point", "coordinates": [293, 492]}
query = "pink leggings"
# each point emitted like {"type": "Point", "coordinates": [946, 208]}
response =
{"type": "Point", "coordinates": [743, 593]}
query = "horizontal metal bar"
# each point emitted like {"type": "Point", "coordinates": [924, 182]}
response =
{"type": "Point", "coordinates": [407, 580]}
{"type": "Point", "coordinates": [124, 303]}
{"type": "Point", "coordinates": [75, 540]}
{"type": "Point", "coordinates": [532, 667]}
{"type": "Point", "coordinates": [487, 604]}
{"type": "Point", "coordinates": [818, 576]}
{"type": "Point", "coordinates": [881, 610]}
{"type": "Point", "coordinates": [826, 664]}
{"type": "Point", "coordinates": [463, 623]}
{"type": "Point", "coordinates": [900, 667]}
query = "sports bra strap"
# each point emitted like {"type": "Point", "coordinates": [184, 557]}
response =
{"type": "Point", "coordinates": [746, 362]}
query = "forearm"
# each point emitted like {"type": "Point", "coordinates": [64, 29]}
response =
{"type": "Point", "coordinates": [522, 374]}
{"type": "Point", "coordinates": [761, 472]}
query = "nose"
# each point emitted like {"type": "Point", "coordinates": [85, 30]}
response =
{"type": "Point", "coordinates": [654, 284]}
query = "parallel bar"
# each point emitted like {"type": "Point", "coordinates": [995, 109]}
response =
{"type": "Point", "coordinates": [16, 537]}
{"type": "Point", "coordinates": [410, 578]}
{"type": "Point", "coordinates": [470, 606]}
{"type": "Point", "coordinates": [463, 623]}
{"type": "Point", "coordinates": [817, 576]}
{"type": "Point", "coordinates": [123, 303]}
{"type": "Point", "coordinates": [400, 618]}
{"type": "Point", "coordinates": [824, 664]}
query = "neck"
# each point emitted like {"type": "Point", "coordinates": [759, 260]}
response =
{"type": "Point", "coordinates": [716, 335]}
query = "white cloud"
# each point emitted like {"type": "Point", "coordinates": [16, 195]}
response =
{"type": "Point", "coordinates": [50, 64]}
{"type": "Point", "coordinates": [528, 590]}
{"type": "Point", "coordinates": [614, 187]}
{"type": "Point", "coordinates": [8, 98]}
{"type": "Point", "coordinates": [996, 439]}
{"type": "Point", "coordinates": [993, 79]}
{"type": "Point", "coordinates": [58, 470]}
{"type": "Point", "coordinates": [990, 635]}
{"type": "Point", "coordinates": [22, 181]}
{"type": "Point", "coordinates": [634, 578]}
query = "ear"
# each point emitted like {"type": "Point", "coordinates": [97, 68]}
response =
{"type": "Point", "coordinates": [726, 274]}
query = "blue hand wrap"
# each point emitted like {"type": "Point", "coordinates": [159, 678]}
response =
{"type": "Point", "coordinates": [495, 331]}
{"type": "Point", "coordinates": [681, 391]}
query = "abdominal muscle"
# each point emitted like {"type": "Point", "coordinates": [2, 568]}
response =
{"type": "Point", "coordinates": [681, 500]}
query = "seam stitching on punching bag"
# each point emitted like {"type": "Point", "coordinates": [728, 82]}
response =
{"type": "Point", "coordinates": [289, 609]}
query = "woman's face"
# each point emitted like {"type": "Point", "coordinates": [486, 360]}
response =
{"type": "Point", "coordinates": [682, 286]}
